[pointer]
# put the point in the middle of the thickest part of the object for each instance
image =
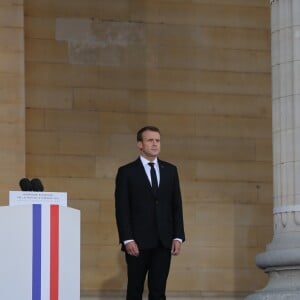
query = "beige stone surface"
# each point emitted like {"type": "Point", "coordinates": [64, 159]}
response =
{"type": "Point", "coordinates": [39, 27]}
{"type": "Point", "coordinates": [197, 13]}
{"type": "Point", "coordinates": [80, 188]}
{"type": "Point", "coordinates": [169, 102]}
{"type": "Point", "coordinates": [12, 39]}
{"type": "Point", "coordinates": [96, 71]}
{"type": "Point", "coordinates": [228, 191]}
{"type": "Point", "coordinates": [46, 51]}
{"type": "Point", "coordinates": [12, 97]}
{"type": "Point", "coordinates": [256, 3]}
{"type": "Point", "coordinates": [49, 97]}
{"type": "Point", "coordinates": [61, 165]}
{"type": "Point", "coordinates": [11, 14]}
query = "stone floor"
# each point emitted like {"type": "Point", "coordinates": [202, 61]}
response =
{"type": "Point", "coordinates": [171, 296]}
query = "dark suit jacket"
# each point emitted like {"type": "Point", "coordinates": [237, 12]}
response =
{"type": "Point", "coordinates": [140, 215]}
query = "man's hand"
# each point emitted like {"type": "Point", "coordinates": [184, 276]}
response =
{"type": "Point", "coordinates": [176, 247]}
{"type": "Point", "coordinates": [132, 248]}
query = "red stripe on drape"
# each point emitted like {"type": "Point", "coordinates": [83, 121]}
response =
{"type": "Point", "coordinates": [54, 251]}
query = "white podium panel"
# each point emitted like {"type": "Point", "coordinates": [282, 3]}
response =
{"type": "Point", "coordinates": [39, 252]}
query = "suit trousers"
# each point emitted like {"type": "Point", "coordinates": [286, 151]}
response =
{"type": "Point", "coordinates": [152, 262]}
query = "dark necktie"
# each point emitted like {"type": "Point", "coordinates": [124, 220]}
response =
{"type": "Point", "coordinates": [153, 178]}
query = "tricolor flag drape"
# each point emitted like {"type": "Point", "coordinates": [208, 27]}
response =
{"type": "Point", "coordinates": [40, 259]}
{"type": "Point", "coordinates": [45, 268]}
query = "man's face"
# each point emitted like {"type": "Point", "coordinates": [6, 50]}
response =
{"type": "Point", "coordinates": [150, 145]}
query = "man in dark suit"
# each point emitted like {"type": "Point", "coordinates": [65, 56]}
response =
{"type": "Point", "coordinates": [149, 217]}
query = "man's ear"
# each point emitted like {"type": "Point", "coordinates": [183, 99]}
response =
{"type": "Point", "coordinates": [140, 145]}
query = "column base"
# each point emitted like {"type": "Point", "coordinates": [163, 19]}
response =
{"type": "Point", "coordinates": [281, 261]}
{"type": "Point", "coordinates": [284, 284]}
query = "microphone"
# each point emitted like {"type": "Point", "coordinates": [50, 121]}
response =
{"type": "Point", "coordinates": [25, 184]}
{"type": "Point", "coordinates": [37, 185]}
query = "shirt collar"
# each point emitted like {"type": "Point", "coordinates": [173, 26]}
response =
{"type": "Point", "coordinates": [146, 161]}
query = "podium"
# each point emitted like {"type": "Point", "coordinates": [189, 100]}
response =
{"type": "Point", "coordinates": [39, 251]}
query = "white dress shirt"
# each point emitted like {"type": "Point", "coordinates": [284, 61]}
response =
{"type": "Point", "coordinates": [147, 168]}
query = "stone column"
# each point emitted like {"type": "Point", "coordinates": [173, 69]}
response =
{"type": "Point", "coordinates": [281, 260]}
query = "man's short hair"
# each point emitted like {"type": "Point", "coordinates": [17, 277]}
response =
{"type": "Point", "coordinates": [139, 135]}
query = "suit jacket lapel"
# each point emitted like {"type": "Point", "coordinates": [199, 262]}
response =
{"type": "Point", "coordinates": [142, 173]}
{"type": "Point", "coordinates": [162, 173]}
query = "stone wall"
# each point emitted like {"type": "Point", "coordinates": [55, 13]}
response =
{"type": "Point", "coordinates": [98, 70]}
{"type": "Point", "coordinates": [12, 97]}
